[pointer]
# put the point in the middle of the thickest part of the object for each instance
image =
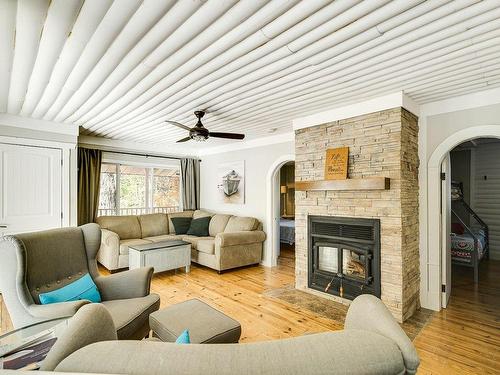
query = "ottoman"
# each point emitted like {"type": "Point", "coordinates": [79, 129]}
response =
{"type": "Point", "coordinates": [205, 324]}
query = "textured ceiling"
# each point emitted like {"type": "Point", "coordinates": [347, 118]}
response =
{"type": "Point", "coordinates": [120, 68]}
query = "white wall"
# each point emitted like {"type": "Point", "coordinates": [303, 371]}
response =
{"type": "Point", "coordinates": [487, 191]}
{"type": "Point", "coordinates": [444, 125]}
{"type": "Point", "coordinates": [440, 127]}
{"type": "Point", "coordinates": [258, 161]}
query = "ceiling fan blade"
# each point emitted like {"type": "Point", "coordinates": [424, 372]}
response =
{"type": "Point", "coordinates": [178, 124]}
{"type": "Point", "coordinates": [183, 140]}
{"type": "Point", "coordinates": [227, 135]}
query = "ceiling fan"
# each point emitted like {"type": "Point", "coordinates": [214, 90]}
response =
{"type": "Point", "coordinates": [200, 133]}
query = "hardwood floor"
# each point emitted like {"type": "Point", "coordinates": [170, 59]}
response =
{"type": "Point", "coordinates": [462, 339]}
{"type": "Point", "coordinates": [5, 323]}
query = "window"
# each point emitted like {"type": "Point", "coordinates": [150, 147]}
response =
{"type": "Point", "coordinates": [165, 188]}
{"type": "Point", "coordinates": [107, 190]}
{"type": "Point", "coordinates": [136, 190]}
{"type": "Point", "coordinates": [133, 181]}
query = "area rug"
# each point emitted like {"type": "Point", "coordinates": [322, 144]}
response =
{"type": "Point", "coordinates": [337, 311]}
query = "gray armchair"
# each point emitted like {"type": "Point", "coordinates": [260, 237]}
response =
{"type": "Point", "coordinates": [39, 262]}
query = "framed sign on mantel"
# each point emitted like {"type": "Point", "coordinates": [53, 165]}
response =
{"type": "Point", "coordinates": [336, 163]}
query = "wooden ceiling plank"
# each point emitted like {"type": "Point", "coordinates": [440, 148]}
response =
{"type": "Point", "coordinates": [108, 29]}
{"type": "Point", "coordinates": [239, 83]}
{"type": "Point", "coordinates": [89, 17]}
{"type": "Point", "coordinates": [408, 60]}
{"type": "Point", "coordinates": [271, 51]}
{"type": "Point", "coordinates": [8, 9]}
{"type": "Point", "coordinates": [30, 18]}
{"type": "Point", "coordinates": [160, 32]}
{"type": "Point", "coordinates": [195, 25]}
{"type": "Point", "coordinates": [60, 19]}
{"type": "Point", "coordinates": [124, 53]}
{"type": "Point", "coordinates": [288, 76]}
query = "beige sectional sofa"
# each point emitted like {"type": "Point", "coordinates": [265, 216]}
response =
{"type": "Point", "coordinates": [371, 343]}
{"type": "Point", "coordinates": [233, 241]}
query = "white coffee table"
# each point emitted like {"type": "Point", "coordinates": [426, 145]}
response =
{"type": "Point", "coordinates": [163, 256]}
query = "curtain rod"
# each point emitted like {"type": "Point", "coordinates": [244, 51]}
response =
{"type": "Point", "coordinates": [146, 155]}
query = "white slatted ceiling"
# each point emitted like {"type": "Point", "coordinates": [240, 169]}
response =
{"type": "Point", "coordinates": [30, 19]}
{"type": "Point", "coordinates": [7, 34]}
{"type": "Point", "coordinates": [487, 192]}
{"type": "Point", "coordinates": [120, 68]}
{"type": "Point", "coordinates": [61, 17]}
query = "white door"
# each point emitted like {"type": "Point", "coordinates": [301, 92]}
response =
{"type": "Point", "coordinates": [30, 188]}
{"type": "Point", "coordinates": [446, 228]}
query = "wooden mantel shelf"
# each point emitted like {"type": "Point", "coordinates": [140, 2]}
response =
{"type": "Point", "coordinates": [370, 183]}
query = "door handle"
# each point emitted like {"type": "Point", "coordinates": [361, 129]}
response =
{"type": "Point", "coordinates": [3, 225]}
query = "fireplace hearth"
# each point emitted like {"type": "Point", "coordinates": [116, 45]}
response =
{"type": "Point", "coordinates": [344, 256]}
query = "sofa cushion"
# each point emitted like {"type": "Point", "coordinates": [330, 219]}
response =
{"type": "Point", "coordinates": [193, 240]}
{"type": "Point", "coordinates": [200, 213]}
{"type": "Point", "coordinates": [181, 224]}
{"type": "Point", "coordinates": [165, 237]}
{"type": "Point", "coordinates": [199, 227]}
{"type": "Point", "coordinates": [126, 243]}
{"type": "Point", "coordinates": [125, 226]}
{"type": "Point", "coordinates": [240, 223]}
{"type": "Point", "coordinates": [218, 224]}
{"type": "Point", "coordinates": [129, 315]}
{"type": "Point", "coordinates": [171, 229]}
{"type": "Point", "coordinates": [153, 224]}
{"type": "Point", "coordinates": [206, 246]}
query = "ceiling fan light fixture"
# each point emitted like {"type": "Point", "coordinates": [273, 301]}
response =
{"type": "Point", "coordinates": [199, 137]}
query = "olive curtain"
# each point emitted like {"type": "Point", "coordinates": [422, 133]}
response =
{"type": "Point", "coordinates": [89, 178]}
{"type": "Point", "coordinates": [190, 178]}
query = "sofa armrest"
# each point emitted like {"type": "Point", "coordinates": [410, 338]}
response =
{"type": "Point", "coordinates": [56, 310]}
{"type": "Point", "coordinates": [368, 313]}
{"type": "Point", "coordinates": [110, 238]}
{"type": "Point", "coordinates": [109, 251]}
{"type": "Point", "coordinates": [239, 238]}
{"type": "Point", "coordinates": [92, 323]}
{"type": "Point", "coordinates": [124, 285]}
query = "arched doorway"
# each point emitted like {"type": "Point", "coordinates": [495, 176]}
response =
{"type": "Point", "coordinates": [273, 207]}
{"type": "Point", "coordinates": [433, 272]}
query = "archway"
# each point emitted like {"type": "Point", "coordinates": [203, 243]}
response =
{"type": "Point", "coordinates": [272, 208]}
{"type": "Point", "coordinates": [432, 272]}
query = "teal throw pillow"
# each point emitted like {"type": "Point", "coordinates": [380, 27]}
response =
{"type": "Point", "coordinates": [199, 227]}
{"type": "Point", "coordinates": [183, 338]}
{"type": "Point", "coordinates": [83, 288]}
{"type": "Point", "coordinates": [181, 224]}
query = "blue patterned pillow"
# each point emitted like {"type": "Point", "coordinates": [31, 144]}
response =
{"type": "Point", "coordinates": [83, 288]}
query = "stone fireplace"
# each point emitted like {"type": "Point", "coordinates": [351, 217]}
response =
{"type": "Point", "coordinates": [382, 144]}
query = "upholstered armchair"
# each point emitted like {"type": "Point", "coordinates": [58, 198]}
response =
{"type": "Point", "coordinates": [39, 262]}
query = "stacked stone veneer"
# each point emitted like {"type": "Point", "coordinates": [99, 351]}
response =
{"type": "Point", "coordinates": [380, 144]}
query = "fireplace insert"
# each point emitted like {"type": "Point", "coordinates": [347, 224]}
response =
{"type": "Point", "coordinates": [344, 255]}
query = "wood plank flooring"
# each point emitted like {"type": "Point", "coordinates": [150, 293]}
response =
{"type": "Point", "coordinates": [462, 339]}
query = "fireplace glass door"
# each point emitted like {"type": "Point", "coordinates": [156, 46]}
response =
{"type": "Point", "coordinates": [328, 259]}
{"type": "Point", "coordinates": [354, 264]}
{"type": "Point", "coordinates": [350, 262]}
